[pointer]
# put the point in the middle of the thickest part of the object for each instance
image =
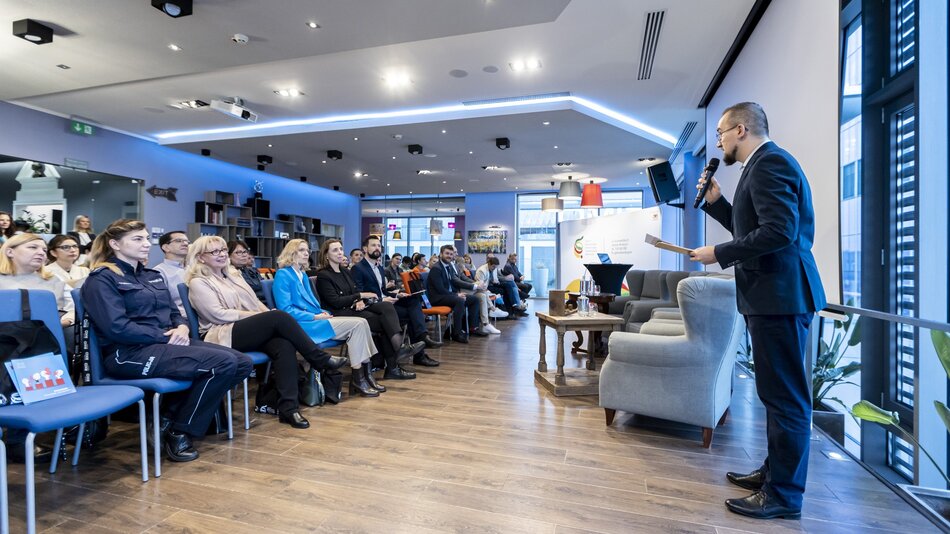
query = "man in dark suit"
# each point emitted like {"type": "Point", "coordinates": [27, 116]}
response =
{"type": "Point", "coordinates": [370, 275]}
{"type": "Point", "coordinates": [778, 291]}
{"type": "Point", "coordinates": [443, 285]}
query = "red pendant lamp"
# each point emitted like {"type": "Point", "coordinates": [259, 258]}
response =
{"type": "Point", "coordinates": [592, 197]}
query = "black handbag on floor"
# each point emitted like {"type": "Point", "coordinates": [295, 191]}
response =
{"type": "Point", "coordinates": [310, 389]}
{"type": "Point", "coordinates": [332, 385]}
{"type": "Point", "coordinates": [21, 339]}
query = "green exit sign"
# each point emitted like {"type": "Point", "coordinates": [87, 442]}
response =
{"type": "Point", "coordinates": [81, 128]}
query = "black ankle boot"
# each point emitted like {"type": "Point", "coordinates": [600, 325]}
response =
{"type": "Point", "coordinates": [368, 373]}
{"type": "Point", "coordinates": [323, 361]}
{"type": "Point", "coordinates": [359, 384]}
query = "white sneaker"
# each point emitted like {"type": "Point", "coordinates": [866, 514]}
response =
{"type": "Point", "coordinates": [524, 305]}
{"type": "Point", "coordinates": [497, 314]}
{"type": "Point", "coordinates": [490, 329]}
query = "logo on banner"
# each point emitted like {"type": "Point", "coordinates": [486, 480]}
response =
{"type": "Point", "coordinates": [579, 247]}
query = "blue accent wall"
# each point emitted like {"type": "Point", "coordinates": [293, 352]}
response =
{"type": "Point", "coordinates": [34, 135]}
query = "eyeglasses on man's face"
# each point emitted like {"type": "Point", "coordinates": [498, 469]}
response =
{"type": "Point", "coordinates": [181, 241]}
{"type": "Point", "coordinates": [719, 134]}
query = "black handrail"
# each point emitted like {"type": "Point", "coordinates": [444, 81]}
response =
{"type": "Point", "coordinates": [890, 317]}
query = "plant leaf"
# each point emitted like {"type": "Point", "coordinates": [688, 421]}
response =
{"type": "Point", "coordinates": [850, 369]}
{"type": "Point", "coordinates": [867, 411]}
{"type": "Point", "coordinates": [941, 342]}
{"type": "Point", "coordinates": [944, 413]}
{"type": "Point", "coordinates": [855, 338]}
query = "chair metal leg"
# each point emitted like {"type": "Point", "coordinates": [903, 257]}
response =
{"type": "Point", "coordinates": [227, 411]}
{"type": "Point", "coordinates": [4, 499]}
{"type": "Point", "coordinates": [438, 326]}
{"type": "Point", "coordinates": [157, 433]}
{"type": "Point", "coordinates": [247, 411]}
{"type": "Point", "coordinates": [82, 428]}
{"type": "Point", "coordinates": [56, 446]}
{"type": "Point", "coordinates": [30, 483]}
{"type": "Point", "coordinates": [142, 440]}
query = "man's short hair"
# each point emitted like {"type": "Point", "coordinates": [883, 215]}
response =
{"type": "Point", "coordinates": [750, 115]}
{"type": "Point", "coordinates": [369, 238]}
{"type": "Point", "coordinates": [446, 247]}
{"type": "Point", "coordinates": [512, 256]}
{"type": "Point", "coordinates": [167, 237]}
{"type": "Point", "coordinates": [492, 261]}
{"type": "Point", "coordinates": [396, 255]}
{"type": "Point", "coordinates": [356, 250]}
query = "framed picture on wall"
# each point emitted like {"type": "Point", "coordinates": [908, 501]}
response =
{"type": "Point", "coordinates": [484, 241]}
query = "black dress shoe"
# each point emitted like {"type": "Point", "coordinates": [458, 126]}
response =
{"type": "Point", "coordinates": [335, 362]}
{"type": "Point", "coordinates": [408, 351]}
{"type": "Point", "coordinates": [398, 374]}
{"type": "Point", "coordinates": [761, 506]}
{"type": "Point", "coordinates": [424, 360]}
{"type": "Point", "coordinates": [294, 419]}
{"type": "Point", "coordinates": [178, 447]}
{"type": "Point", "coordinates": [477, 332]}
{"type": "Point", "coordinates": [750, 481]}
{"type": "Point", "coordinates": [15, 453]}
{"type": "Point", "coordinates": [458, 338]}
{"type": "Point", "coordinates": [431, 343]}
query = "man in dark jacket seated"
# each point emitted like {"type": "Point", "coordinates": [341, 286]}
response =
{"type": "Point", "coordinates": [370, 276]}
{"type": "Point", "coordinates": [443, 290]}
{"type": "Point", "coordinates": [511, 269]}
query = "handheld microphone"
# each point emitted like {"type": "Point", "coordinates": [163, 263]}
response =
{"type": "Point", "coordinates": [710, 170]}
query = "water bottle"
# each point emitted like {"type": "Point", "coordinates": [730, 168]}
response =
{"type": "Point", "coordinates": [583, 305]}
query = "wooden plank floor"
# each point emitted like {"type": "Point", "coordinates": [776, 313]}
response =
{"type": "Point", "coordinates": [472, 446]}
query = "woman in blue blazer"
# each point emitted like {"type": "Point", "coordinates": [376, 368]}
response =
{"type": "Point", "coordinates": [294, 295]}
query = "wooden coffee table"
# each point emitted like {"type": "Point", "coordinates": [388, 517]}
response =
{"type": "Point", "coordinates": [564, 382]}
{"type": "Point", "coordinates": [602, 301]}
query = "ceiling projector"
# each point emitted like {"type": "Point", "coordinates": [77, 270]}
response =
{"type": "Point", "coordinates": [235, 108]}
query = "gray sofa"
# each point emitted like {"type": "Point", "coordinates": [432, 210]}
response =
{"type": "Point", "coordinates": [637, 312]}
{"type": "Point", "coordinates": [643, 285]}
{"type": "Point", "coordinates": [678, 377]}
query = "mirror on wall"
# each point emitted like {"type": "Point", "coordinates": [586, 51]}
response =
{"type": "Point", "coordinates": [46, 198]}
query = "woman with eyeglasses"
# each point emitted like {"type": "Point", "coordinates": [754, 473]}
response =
{"type": "Point", "coordinates": [243, 261]}
{"type": "Point", "coordinates": [62, 254]}
{"type": "Point", "coordinates": [142, 335]}
{"type": "Point", "coordinates": [294, 294]}
{"type": "Point", "coordinates": [6, 227]}
{"type": "Point", "coordinates": [23, 266]}
{"type": "Point", "coordinates": [229, 314]}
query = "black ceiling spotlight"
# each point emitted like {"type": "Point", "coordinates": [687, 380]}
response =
{"type": "Point", "coordinates": [261, 167]}
{"type": "Point", "coordinates": [303, 178]}
{"type": "Point", "coordinates": [336, 188]}
{"type": "Point", "coordinates": [264, 159]}
{"type": "Point", "coordinates": [334, 154]}
{"type": "Point", "coordinates": [502, 143]}
{"type": "Point", "coordinates": [32, 31]}
{"type": "Point", "coordinates": [205, 152]}
{"type": "Point", "coordinates": [415, 150]}
{"type": "Point", "coordinates": [173, 8]}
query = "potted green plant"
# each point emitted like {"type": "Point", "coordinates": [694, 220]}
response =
{"type": "Point", "coordinates": [936, 501]}
{"type": "Point", "coordinates": [828, 373]}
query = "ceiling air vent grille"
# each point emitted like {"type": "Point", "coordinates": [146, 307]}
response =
{"type": "Point", "coordinates": [651, 37]}
{"type": "Point", "coordinates": [684, 137]}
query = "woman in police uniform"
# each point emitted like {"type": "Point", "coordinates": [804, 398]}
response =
{"type": "Point", "coordinates": [144, 336]}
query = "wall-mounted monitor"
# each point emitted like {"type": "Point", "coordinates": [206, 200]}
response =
{"type": "Point", "coordinates": [663, 183]}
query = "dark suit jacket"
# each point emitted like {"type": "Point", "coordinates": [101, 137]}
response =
{"type": "Point", "coordinates": [366, 281]}
{"type": "Point", "coordinates": [773, 227]}
{"type": "Point", "coordinates": [337, 291]}
{"type": "Point", "coordinates": [439, 282]}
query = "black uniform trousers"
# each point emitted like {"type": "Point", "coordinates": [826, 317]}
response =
{"type": "Point", "coordinates": [784, 386]}
{"type": "Point", "coordinates": [213, 369]}
{"type": "Point", "coordinates": [459, 306]}
{"type": "Point", "coordinates": [278, 335]}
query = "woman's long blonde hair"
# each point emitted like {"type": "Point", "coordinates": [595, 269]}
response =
{"type": "Point", "coordinates": [6, 263]}
{"type": "Point", "coordinates": [196, 269]}
{"type": "Point", "coordinates": [101, 254]}
{"type": "Point", "coordinates": [286, 257]}
{"type": "Point", "coordinates": [76, 225]}
{"type": "Point", "coordinates": [322, 261]}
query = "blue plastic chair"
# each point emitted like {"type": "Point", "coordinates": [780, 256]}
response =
{"type": "Point", "coordinates": [157, 386]}
{"type": "Point", "coordinates": [258, 358]}
{"type": "Point", "coordinates": [86, 404]}
{"type": "Point", "coordinates": [268, 286]}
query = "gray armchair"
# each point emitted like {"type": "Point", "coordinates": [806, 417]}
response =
{"type": "Point", "coordinates": [634, 279]}
{"type": "Point", "coordinates": [685, 378]}
{"type": "Point", "coordinates": [637, 312]}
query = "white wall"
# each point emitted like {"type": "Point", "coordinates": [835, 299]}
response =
{"type": "Point", "coordinates": [790, 67]}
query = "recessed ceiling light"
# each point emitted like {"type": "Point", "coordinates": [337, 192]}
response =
{"type": "Point", "coordinates": [424, 171]}
{"type": "Point", "coordinates": [313, 25]}
{"type": "Point", "coordinates": [443, 131]}
{"type": "Point", "coordinates": [394, 157]}
{"type": "Point", "coordinates": [288, 92]}
{"type": "Point", "coordinates": [443, 181]}
{"type": "Point", "coordinates": [64, 67]}
{"type": "Point", "coordinates": [190, 104]}
{"type": "Point", "coordinates": [555, 147]}
{"type": "Point", "coordinates": [546, 123]}
{"type": "Point", "coordinates": [270, 145]}
{"type": "Point", "coordinates": [505, 178]}
{"type": "Point", "coordinates": [356, 138]}
{"type": "Point", "coordinates": [516, 187]}
{"type": "Point", "coordinates": [387, 185]}
{"type": "Point", "coordinates": [462, 190]}
{"type": "Point", "coordinates": [324, 161]}
{"type": "Point", "coordinates": [395, 80]}
{"type": "Point", "coordinates": [491, 167]}
{"type": "Point", "coordinates": [96, 181]}
{"type": "Point", "coordinates": [173, 47]}
{"type": "Point", "coordinates": [519, 65]}
{"type": "Point", "coordinates": [470, 152]}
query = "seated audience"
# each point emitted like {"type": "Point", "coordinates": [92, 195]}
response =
{"type": "Point", "coordinates": [6, 227]}
{"type": "Point", "coordinates": [443, 291]}
{"type": "Point", "coordinates": [356, 256]}
{"type": "Point", "coordinates": [143, 336]}
{"type": "Point", "coordinates": [23, 266]}
{"type": "Point", "coordinates": [489, 274]}
{"type": "Point", "coordinates": [230, 314]}
{"type": "Point", "coordinates": [175, 246]}
{"type": "Point", "coordinates": [511, 270]}
{"type": "Point", "coordinates": [293, 294]}
{"type": "Point", "coordinates": [243, 261]}
{"type": "Point", "coordinates": [63, 254]}
{"type": "Point", "coordinates": [486, 301]}
{"type": "Point", "coordinates": [393, 270]}
{"type": "Point", "coordinates": [84, 236]}
{"type": "Point", "coordinates": [370, 276]}
{"type": "Point", "coordinates": [419, 263]}
{"type": "Point", "coordinates": [433, 260]}
{"type": "Point", "coordinates": [341, 296]}
{"type": "Point", "coordinates": [466, 264]}
{"type": "Point", "coordinates": [406, 263]}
